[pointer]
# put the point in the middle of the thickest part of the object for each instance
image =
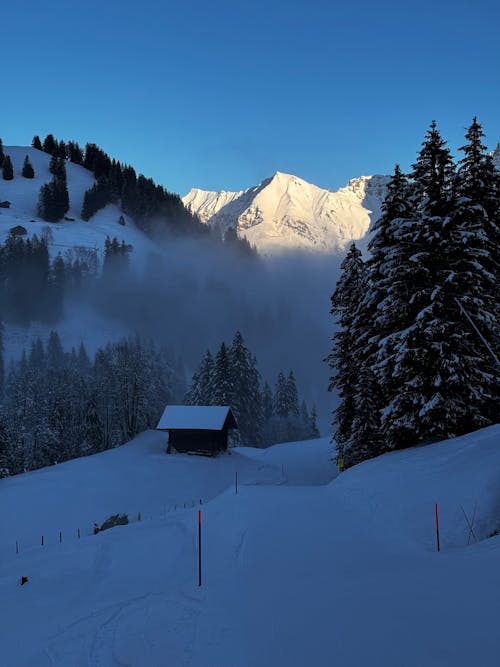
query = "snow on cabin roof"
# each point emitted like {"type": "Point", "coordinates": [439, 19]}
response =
{"type": "Point", "coordinates": [197, 417]}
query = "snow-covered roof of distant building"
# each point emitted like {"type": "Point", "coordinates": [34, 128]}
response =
{"type": "Point", "coordinates": [196, 417]}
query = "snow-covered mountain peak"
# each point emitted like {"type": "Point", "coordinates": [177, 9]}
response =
{"type": "Point", "coordinates": [285, 212]}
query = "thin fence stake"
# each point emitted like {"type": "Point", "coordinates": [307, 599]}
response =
{"type": "Point", "coordinates": [42, 540]}
{"type": "Point", "coordinates": [78, 533]}
{"type": "Point", "coordinates": [17, 547]}
{"type": "Point", "coordinates": [437, 528]}
{"type": "Point", "coordinates": [138, 516]}
{"type": "Point", "coordinates": [199, 547]}
{"type": "Point", "coordinates": [60, 536]}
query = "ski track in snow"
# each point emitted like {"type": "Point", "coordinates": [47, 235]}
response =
{"type": "Point", "coordinates": [120, 635]}
{"type": "Point", "coordinates": [290, 562]}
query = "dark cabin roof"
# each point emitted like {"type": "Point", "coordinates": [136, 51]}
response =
{"type": "Point", "coordinates": [196, 418]}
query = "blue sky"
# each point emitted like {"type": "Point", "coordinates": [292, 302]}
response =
{"type": "Point", "coordinates": [220, 95]}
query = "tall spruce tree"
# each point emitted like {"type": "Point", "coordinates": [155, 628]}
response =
{"type": "Point", "coordinates": [470, 282]}
{"type": "Point", "coordinates": [385, 305]}
{"type": "Point", "coordinates": [245, 388]}
{"type": "Point", "coordinates": [345, 358]}
{"type": "Point", "coordinates": [200, 388]}
{"type": "Point", "coordinates": [28, 171]}
{"type": "Point", "coordinates": [292, 396]}
{"type": "Point", "coordinates": [2, 154]}
{"type": "Point", "coordinates": [426, 373]}
{"type": "Point", "coordinates": [7, 169]}
{"type": "Point", "coordinates": [280, 400]}
{"type": "Point", "coordinates": [221, 389]}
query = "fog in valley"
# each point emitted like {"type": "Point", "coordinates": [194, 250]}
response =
{"type": "Point", "coordinates": [192, 295]}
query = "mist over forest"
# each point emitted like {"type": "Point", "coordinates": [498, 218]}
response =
{"type": "Point", "coordinates": [193, 295]}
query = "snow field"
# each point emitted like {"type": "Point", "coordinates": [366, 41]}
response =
{"type": "Point", "coordinates": [299, 568]}
{"type": "Point", "coordinates": [23, 195]}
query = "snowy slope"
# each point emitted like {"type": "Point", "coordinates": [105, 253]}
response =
{"type": "Point", "coordinates": [79, 323]}
{"type": "Point", "coordinates": [22, 193]}
{"type": "Point", "coordinates": [299, 568]}
{"type": "Point", "coordinates": [285, 212]}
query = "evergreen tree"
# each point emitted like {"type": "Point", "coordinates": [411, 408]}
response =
{"type": "Point", "coordinates": [28, 171]}
{"type": "Point", "coordinates": [2, 154]}
{"type": "Point", "coordinates": [292, 397]}
{"type": "Point", "coordinates": [36, 143]}
{"type": "Point", "coordinates": [49, 144]}
{"type": "Point", "coordinates": [245, 391]}
{"type": "Point", "coordinates": [365, 440]}
{"type": "Point", "coordinates": [53, 201]}
{"type": "Point", "coordinates": [75, 153]}
{"type": "Point", "coordinates": [221, 389]}
{"type": "Point", "coordinates": [417, 400]}
{"type": "Point", "coordinates": [346, 356]}
{"type": "Point", "coordinates": [199, 391]}
{"type": "Point", "coordinates": [7, 169]}
{"type": "Point", "coordinates": [280, 399]}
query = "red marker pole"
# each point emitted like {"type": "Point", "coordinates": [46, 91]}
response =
{"type": "Point", "coordinates": [437, 528]}
{"type": "Point", "coordinates": [199, 547]}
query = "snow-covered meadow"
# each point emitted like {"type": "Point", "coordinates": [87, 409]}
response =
{"type": "Point", "coordinates": [300, 566]}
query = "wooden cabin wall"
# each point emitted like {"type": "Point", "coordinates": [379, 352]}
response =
{"type": "Point", "coordinates": [207, 442]}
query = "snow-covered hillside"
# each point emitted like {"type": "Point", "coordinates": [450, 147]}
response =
{"type": "Point", "coordinates": [22, 193]}
{"type": "Point", "coordinates": [285, 212]}
{"type": "Point", "coordinates": [299, 568]}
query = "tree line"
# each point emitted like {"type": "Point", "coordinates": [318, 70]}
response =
{"type": "Point", "coordinates": [154, 209]}
{"type": "Point", "coordinates": [59, 405]}
{"type": "Point", "coordinates": [33, 287]}
{"type": "Point", "coordinates": [415, 358]}
{"type": "Point", "coordinates": [264, 417]}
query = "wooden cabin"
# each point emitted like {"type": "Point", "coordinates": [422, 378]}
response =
{"type": "Point", "coordinates": [197, 429]}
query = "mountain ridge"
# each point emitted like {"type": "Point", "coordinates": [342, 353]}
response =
{"type": "Point", "coordinates": [285, 212]}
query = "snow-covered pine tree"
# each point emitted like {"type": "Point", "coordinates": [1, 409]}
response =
{"type": "Point", "coordinates": [221, 390]}
{"type": "Point", "coordinates": [385, 306]}
{"type": "Point", "coordinates": [344, 360]}
{"type": "Point", "coordinates": [280, 399]}
{"type": "Point", "coordinates": [292, 396]}
{"type": "Point", "coordinates": [199, 390]}
{"type": "Point", "coordinates": [365, 440]}
{"type": "Point", "coordinates": [470, 283]}
{"type": "Point", "coordinates": [28, 171]}
{"type": "Point", "coordinates": [424, 371]}
{"type": "Point", "coordinates": [245, 390]}
{"type": "Point", "coordinates": [7, 169]}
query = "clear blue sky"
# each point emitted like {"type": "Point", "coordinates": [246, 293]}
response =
{"type": "Point", "coordinates": [220, 94]}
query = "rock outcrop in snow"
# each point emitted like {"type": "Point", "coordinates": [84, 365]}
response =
{"type": "Point", "coordinates": [285, 212]}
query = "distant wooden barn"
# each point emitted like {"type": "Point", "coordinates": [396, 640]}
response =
{"type": "Point", "coordinates": [197, 429]}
